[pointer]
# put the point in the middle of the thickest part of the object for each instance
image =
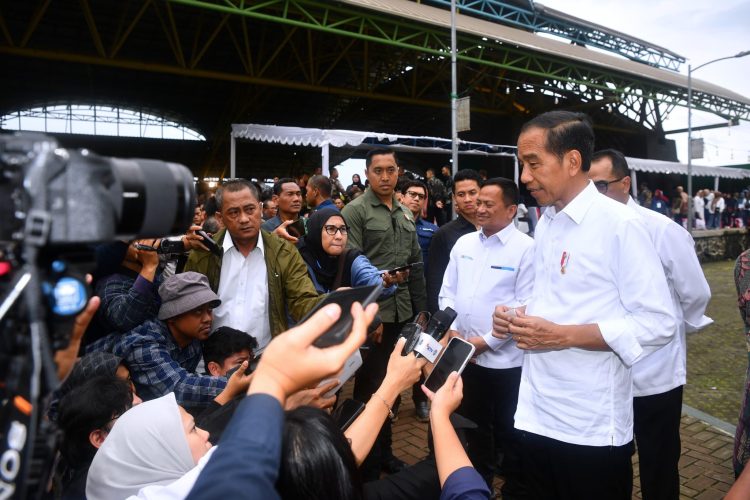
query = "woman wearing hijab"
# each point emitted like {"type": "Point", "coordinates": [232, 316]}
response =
{"type": "Point", "coordinates": [356, 183]}
{"type": "Point", "coordinates": [154, 443]}
{"type": "Point", "coordinates": [330, 264]}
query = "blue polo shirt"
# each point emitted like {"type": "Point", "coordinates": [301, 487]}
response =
{"type": "Point", "coordinates": [425, 232]}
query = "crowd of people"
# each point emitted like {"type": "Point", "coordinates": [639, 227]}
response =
{"type": "Point", "coordinates": [200, 377]}
{"type": "Point", "coordinates": [712, 209]}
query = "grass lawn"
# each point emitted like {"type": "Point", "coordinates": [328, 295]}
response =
{"type": "Point", "coordinates": [717, 355]}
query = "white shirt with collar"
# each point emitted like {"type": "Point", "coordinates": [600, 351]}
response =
{"type": "Point", "coordinates": [666, 368]}
{"type": "Point", "coordinates": [243, 290]}
{"type": "Point", "coordinates": [485, 271]}
{"type": "Point", "coordinates": [593, 263]}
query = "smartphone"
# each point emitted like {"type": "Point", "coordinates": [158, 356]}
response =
{"type": "Point", "coordinates": [336, 334]}
{"type": "Point", "coordinates": [408, 267]}
{"type": "Point", "coordinates": [297, 228]}
{"type": "Point", "coordinates": [347, 412]}
{"type": "Point", "coordinates": [454, 357]}
{"type": "Point", "coordinates": [251, 366]}
{"type": "Point", "coordinates": [210, 243]}
{"type": "Point", "coordinates": [351, 366]}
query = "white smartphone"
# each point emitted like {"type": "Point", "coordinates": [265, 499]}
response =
{"type": "Point", "coordinates": [454, 357]}
{"type": "Point", "coordinates": [350, 368]}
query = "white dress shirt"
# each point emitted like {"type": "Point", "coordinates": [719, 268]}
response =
{"type": "Point", "coordinates": [666, 368]}
{"type": "Point", "coordinates": [243, 290]}
{"type": "Point", "coordinates": [593, 263]}
{"type": "Point", "coordinates": [485, 271]}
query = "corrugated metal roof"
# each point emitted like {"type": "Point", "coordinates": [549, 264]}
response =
{"type": "Point", "coordinates": [493, 31]}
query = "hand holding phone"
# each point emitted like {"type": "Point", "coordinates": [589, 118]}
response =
{"type": "Point", "coordinates": [337, 333]}
{"type": "Point", "coordinates": [447, 398]}
{"type": "Point", "coordinates": [408, 267]}
{"type": "Point", "coordinates": [210, 243]}
{"type": "Point", "coordinates": [297, 228]}
{"type": "Point", "coordinates": [453, 359]}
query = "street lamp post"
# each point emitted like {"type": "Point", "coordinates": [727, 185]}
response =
{"type": "Point", "coordinates": [691, 215]}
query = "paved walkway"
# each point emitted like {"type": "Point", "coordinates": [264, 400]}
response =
{"type": "Point", "coordinates": [705, 465]}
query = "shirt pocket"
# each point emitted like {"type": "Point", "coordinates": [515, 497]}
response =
{"type": "Point", "coordinates": [405, 233]}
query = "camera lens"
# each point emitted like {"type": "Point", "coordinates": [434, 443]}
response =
{"type": "Point", "coordinates": [74, 196]}
{"type": "Point", "coordinates": [157, 197]}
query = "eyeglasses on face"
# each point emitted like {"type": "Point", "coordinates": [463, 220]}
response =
{"type": "Point", "coordinates": [414, 194]}
{"type": "Point", "coordinates": [331, 229]}
{"type": "Point", "coordinates": [603, 186]}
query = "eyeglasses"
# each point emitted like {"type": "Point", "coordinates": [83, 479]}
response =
{"type": "Point", "coordinates": [331, 229]}
{"type": "Point", "coordinates": [603, 186]}
{"type": "Point", "coordinates": [414, 194]}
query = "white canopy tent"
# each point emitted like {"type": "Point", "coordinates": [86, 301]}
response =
{"type": "Point", "coordinates": [324, 139]}
{"type": "Point", "coordinates": [671, 167]}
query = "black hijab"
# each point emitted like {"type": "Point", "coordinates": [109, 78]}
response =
{"type": "Point", "coordinates": [325, 266]}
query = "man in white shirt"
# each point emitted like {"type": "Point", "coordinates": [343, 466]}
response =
{"type": "Point", "coordinates": [488, 267]}
{"type": "Point", "coordinates": [658, 377]}
{"type": "Point", "coordinates": [600, 302]}
{"type": "Point", "coordinates": [720, 205]}
{"type": "Point", "coordinates": [699, 209]}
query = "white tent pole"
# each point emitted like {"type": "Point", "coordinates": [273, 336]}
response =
{"type": "Point", "coordinates": [716, 183]}
{"type": "Point", "coordinates": [232, 159]}
{"type": "Point", "coordinates": [634, 184]}
{"type": "Point", "coordinates": [324, 153]}
{"type": "Point", "coordinates": [515, 170]}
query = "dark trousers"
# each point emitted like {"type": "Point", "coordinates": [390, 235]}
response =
{"type": "Point", "coordinates": [657, 436]}
{"type": "Point", "coordinates": [554, 470]}
{"type": "Point", "coordinates": [417, 394]}
{"type": "Point", "coordinates": [368, 380]}
{"type": "Point", "coordinates": [490, 401]}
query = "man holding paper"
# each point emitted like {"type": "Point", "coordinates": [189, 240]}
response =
{"type": "Point", "coordinates": [489, 267]}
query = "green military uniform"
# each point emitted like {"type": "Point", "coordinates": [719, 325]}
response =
{"type": "Point", "coordinates": [289, 285]}
{"type": "Point", "coordinates": [388, 237]}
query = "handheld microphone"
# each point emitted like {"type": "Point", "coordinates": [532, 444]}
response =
{"type": "Point", "coordinates": [436, 328]}
{"type": "Point", "coordinates": [439, 323]}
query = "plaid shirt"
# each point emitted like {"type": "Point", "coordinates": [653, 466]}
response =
{"type": "Point", "coordinates": [159, 366]}
{"type": "Point", "coordinates": [128, 299]}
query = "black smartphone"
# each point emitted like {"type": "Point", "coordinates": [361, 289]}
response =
{"type": "Point", "coordinates": [408, 267]}
{"type": "Point", "coordinates": [210, 243]}
{"type": "Point", "coordinates": [251, 366]}
{"type": "Point", "coordinates": [454, 357]}
{"type": "Point", "coordinates": [297, 228]}
{"type": "Point", "coordinates": [365, 295]}
{"type": "Point", "coordinates": [347, 412]}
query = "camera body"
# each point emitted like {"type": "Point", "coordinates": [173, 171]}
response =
{"type": "Point", "coordinates": [55, 204]}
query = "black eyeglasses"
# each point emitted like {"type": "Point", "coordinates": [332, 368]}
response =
{"type": "Point", "coordinates": [331, 229]}
{"type": "Point", "coordinates": [603, 186]}
{"type": "Point", "coordinates": [414, 194]}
